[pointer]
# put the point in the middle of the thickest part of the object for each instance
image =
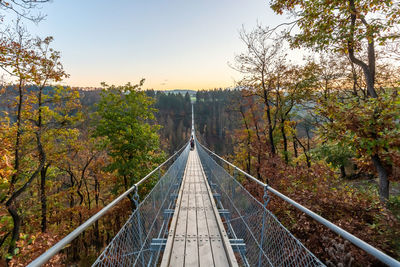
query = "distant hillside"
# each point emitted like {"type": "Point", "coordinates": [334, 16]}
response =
{"type": "Point", "coordinates": [181, 91]}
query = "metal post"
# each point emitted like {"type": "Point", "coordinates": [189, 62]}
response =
{"type": "Point", "coordinates": [266, 200]}
{"type": "Point", "coordinates": [235, 176]}
{"type": "Point", "coordinates": [136, 201]}
{"type": "Point", "coordinates": [158, 179]}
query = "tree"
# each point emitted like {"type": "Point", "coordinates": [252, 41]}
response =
{"type": "Point", "coordinates": [368, 127]}
{"type": "Point", "coordinates": [351, 28]}
{"type": "Point", "coordinates": [6, 171]}
{"type": "Point", "coordinates": [54, 111]}
{"type": "Point", "coordinates": [259, 64]}
{"type": "Point", "coordinates": [174, 113]}
{"type": "Point", "coordinates": [17, 60]}
{"type": "Point", "coordinates": [42, 115]}
{"type": "Point", "coordinates": [294, 88]}
{"type": "Point", "coordinates": [125, 114]}
{"type": "Point", "coordinates": [336, 154]}
{"type": "Point", "coordinates": [23, 8]}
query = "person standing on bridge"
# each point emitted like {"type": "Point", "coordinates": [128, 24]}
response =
{"type": "Point", "coordinates": [191, 143]}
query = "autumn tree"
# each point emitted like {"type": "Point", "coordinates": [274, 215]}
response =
{"type": "Point", "coordinates": [260, 65]}
{"type": "Point", "coordinates": [22, 8]}
{"type": "Point", "coordinates": [53, 112]}
{"type": "Point", "coordinates": [17, 61]}
{"type": "Point", "coordinates": [6, 171]}
{"type": "Point", "coordinates": [41, 116]}
{"type": "Point", "coordinates": [351, 28]}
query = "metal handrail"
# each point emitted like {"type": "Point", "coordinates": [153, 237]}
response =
{"type": "Point", "coordinates": [346, 235]}
{"type": "Point", "coordinates": [71, 236]}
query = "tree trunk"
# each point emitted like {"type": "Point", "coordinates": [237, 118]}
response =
{"type": "Point", "coordinates": [383, 178]}
{"type": "Point", "coordinates": [248, 161]}
{"type": "Point", "coordinates": [285, 144]}
{"type": "Point", "coordinates": [305, 150]}
{"type": "Point", "coordinates": [10, 204]}
{"type": "Point", "coordinates": [258, 165]}
{"type": "Point", "coordinates": [248, 165]}
{"type": "Point", "coordinates": [96, 190]}
{"type": "Point", "coordinates": [42, 161]}
{"type": "Point", "coordinates": [97, 235]}
{"type": "Point", "coordinates": [17, 224]}
{"type": "Point", "coordinates": [295, 148]}
{"type": "Point", "coordinates": [258, 145]}
{"type": "Point", "coordinates": [342, 171]}
{"type": "Point", "coordinates": [3, 239]}
{"type": "Point", "coordinates": [43, 197]}
{"type": "Point", "coordinates": [17, 138]}
{"type": "Point", "coordinates": [270, 128]}
{"type": "Point", "coordinates": [369, 71]}
{"type": "Point", "coordinates": [126, 186]}
{"type": "Point", "coordinates": [10, 207]}
{"type": "Point", "coordinates": [71, 196]}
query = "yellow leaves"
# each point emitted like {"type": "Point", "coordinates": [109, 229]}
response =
{"type": "Point", "coordinates": [6, 157]}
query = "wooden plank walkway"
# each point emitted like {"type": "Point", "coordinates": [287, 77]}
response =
{"type": "Point", "coordinates": [197, 236]}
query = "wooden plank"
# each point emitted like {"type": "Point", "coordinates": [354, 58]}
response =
{"type": "Point", "coordinates": [197, 236]}
{"type": "Point", "coordinates": [218, 250]}
{"type": "Point", "coordinates": [205, 251]}
{"type": "Point", "coordinates": [171, 235]}
{"type": "Point", "coordinates": [222, 251]}
{"type": "Point", "coordinates": [191, 251]}
{"type": "Point", "coordinates": [178, 249]}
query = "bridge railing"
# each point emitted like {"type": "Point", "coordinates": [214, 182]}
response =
{"type": "Point", "coordinates": [228, 182]}
{"type": "Point", "coordinates": [132, 243]}
{"type": "Point", "coordinates": [265, 241]}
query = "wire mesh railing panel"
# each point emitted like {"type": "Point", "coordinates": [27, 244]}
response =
{"type": "Point", "coordinates": [134, 244]}
{"type": "Point", "coordinates": [267, 241]}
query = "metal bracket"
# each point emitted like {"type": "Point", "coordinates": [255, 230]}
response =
{"type": "Point", "coordinates": [235, 173]}
{"type": "Point", "coordinates": [173, 196]}
{"type": "Point", "coordinates": [217, 196]}
{"type": "Point", "coordinates": [135, 197]}
{"type": "Point", "coordinates": [213, 185]}
{"type": "Point", "coordinates": [176, 186]}
{"type": "Point", "coordinates": [266, 197]}
{"type": "Point", "coordinates": [158, 244]}
{"type": "Point", "coordinates": [168, 213]}
{"type": "Point", "coordinates": [238, 245]}
{"type": "Point", "coordinates": [225, 213]}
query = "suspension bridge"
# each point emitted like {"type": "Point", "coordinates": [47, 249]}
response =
{"type": "Point", "coordinates": [199, 214]}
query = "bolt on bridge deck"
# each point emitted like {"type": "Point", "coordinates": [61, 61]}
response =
{"type": "Point", "coordinates": [197, 236]}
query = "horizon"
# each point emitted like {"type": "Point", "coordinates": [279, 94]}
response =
{"type": "Point", "coordinates": [171, 45]}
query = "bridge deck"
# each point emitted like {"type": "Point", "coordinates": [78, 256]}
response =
{"type": "Point", "coordinates": [197, 236]}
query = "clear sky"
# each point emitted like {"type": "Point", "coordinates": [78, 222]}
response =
{"type": "Point", "coordinates": [173, 44]}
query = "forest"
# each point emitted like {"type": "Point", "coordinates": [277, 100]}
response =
{"type": "Point", "coordinates": [324, 131]}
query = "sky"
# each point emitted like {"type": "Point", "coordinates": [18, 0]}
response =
{"type": "Point", "coordinates": [173, 44]}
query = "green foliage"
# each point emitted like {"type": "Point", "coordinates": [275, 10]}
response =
{"type": "Point", "coordinates": [368, 126]}
{"type": "Point", "coordinates": [327, 24]}
{"type": "Point", "coordinates": [394, 206]}
{"type": "Point", "coordinates": [336, 154]}
{"type": "Point", "coordinates": [125, 114]}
